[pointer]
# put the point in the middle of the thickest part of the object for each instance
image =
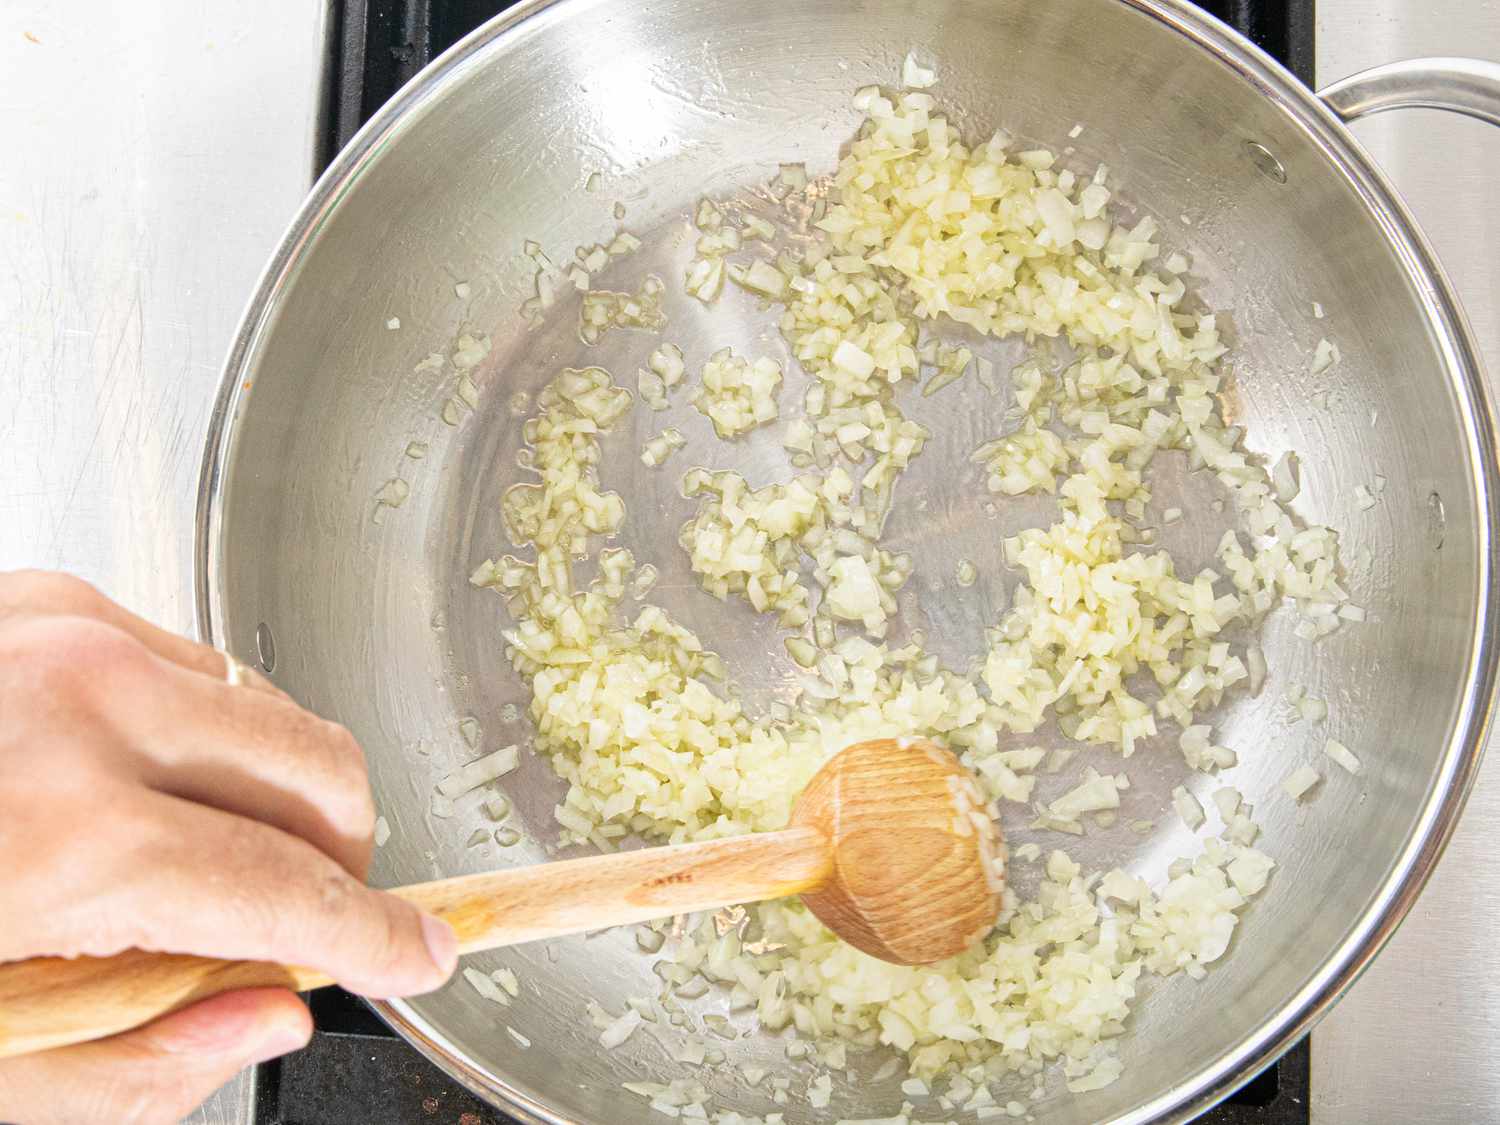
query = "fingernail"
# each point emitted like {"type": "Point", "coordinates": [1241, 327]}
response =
{"type": "Point", "coordinates": [279, 1041]}
{"type": "Point", "coordinates": [442, 943]}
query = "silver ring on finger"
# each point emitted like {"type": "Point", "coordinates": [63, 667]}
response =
{"type": "Point", "coordinates": [235, 673]}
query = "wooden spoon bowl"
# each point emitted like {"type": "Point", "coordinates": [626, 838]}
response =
{"type": "Point", "coordinates": [917, 870]}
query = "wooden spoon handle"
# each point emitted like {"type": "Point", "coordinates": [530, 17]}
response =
{"type": "Point", "coordinates": [551, 899]}
{"type": "Point", "coordinates": [53, 1001]}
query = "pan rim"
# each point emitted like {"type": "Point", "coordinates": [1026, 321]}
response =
{"type": "Point", "coordinates": [1461, 368]}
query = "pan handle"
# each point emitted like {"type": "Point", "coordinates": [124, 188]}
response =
{"type": "Point", "coordinates": [1467, 86]}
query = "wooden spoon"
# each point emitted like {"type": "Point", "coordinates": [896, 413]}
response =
{"type": "Point", "coordinates": [889, 845]}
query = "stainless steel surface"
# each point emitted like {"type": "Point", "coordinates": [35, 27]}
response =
{"type": "Point", "coordinates": [200, 201]}
{"type": "Point", "coordinates": [374, 622]}
{"type": "Point", "coordinates": [156, 151]}
{"type": "Point", "coordinates": [1416, 1038]}
{"type": "Point", "coordinates": [1467, 86]}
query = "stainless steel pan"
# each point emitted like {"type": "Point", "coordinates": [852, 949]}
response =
{"type": "Point", "coordinates": [374, 623]}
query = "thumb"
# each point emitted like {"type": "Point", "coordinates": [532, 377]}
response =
{"type": "Point", "coordinates": [158, 1072]}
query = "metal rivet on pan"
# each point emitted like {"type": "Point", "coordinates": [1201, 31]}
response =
{"type": "Point", "coordinates": [1266, 162]}
{"type": "Point", "coordinates": [265, 647]}
{"type": "Point", "coordinates": [1437, 521]}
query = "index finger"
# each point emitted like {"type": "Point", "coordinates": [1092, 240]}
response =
{"type": "Point", "coordinates": [194, 880]}
{"type": "Point", "coordinates": [44, 593]}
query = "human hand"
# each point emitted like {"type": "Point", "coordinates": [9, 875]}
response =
{"type": "Point", "coordinates": [145, 802]}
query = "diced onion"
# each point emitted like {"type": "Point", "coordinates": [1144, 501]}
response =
{"type": "Point", "coordinates": [915, 76]}
{"type": "Point", "coordinates": [737, 395]}
{"type": "Point", "coordinates": [1300, 781]}
{"type": "Point", "coordinates": [1342, 755]}
{"type": "Point", "coordinates": [1325, 355]}
{"type": "Point", "coordinates": [479, 772]}
{"type": "Point", "coordinates": [917, 229]}
{"type": "Point", "coordinates": [486, 987]}
{"type": "Point", "coordinates": [393, 493]}
{"type": "Point", "coordinates": [1188, 808]}
{"type": "Point", "coordinates": [620, 1030]}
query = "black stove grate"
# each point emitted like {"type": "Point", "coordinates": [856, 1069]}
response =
{"type": "Point", "coordinates": [357, 1071]}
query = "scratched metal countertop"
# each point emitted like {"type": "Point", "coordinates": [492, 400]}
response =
{"type": "Point", "coordinates": [155, 151]}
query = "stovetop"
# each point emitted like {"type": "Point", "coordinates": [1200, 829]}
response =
{"type": "Point", "coordinates": [356, 1071]}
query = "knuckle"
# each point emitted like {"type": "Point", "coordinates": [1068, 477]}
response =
{"type": "Point", "coordinates": [363, 923]}
{"type": "Point", "coordinates": [341, 903]}
{"type": "Point", "coordinates": [47, 591]}
{"type": "Point", "coordinates": [326, 762]}
{"type": "Point", "coordinates": [124, 876]}
{"type": "Point", "coordinates": [77, 657]}
{"type": "Point", "coordinates": [250, 904]}
{"type": "Point", "coordinates": [391, 940]}
{"type": "Point", "coordinates": [258, 905]}
{"type": "Point", "coordinates": [346, 748]}
{"type": "Point", "coordinates": [323, 912]}
{"type": "Point", "coordinates": [43, 918]}
{"type": "Point", "coordinates": [339, 898]}
{"type": "Point", "coordinates": [350, 788]}
{"type": "Point", "coordinates": [252, 909]}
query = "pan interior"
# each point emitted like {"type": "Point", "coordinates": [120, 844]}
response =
{"type": "Point", "coordinates": [376, 625]}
